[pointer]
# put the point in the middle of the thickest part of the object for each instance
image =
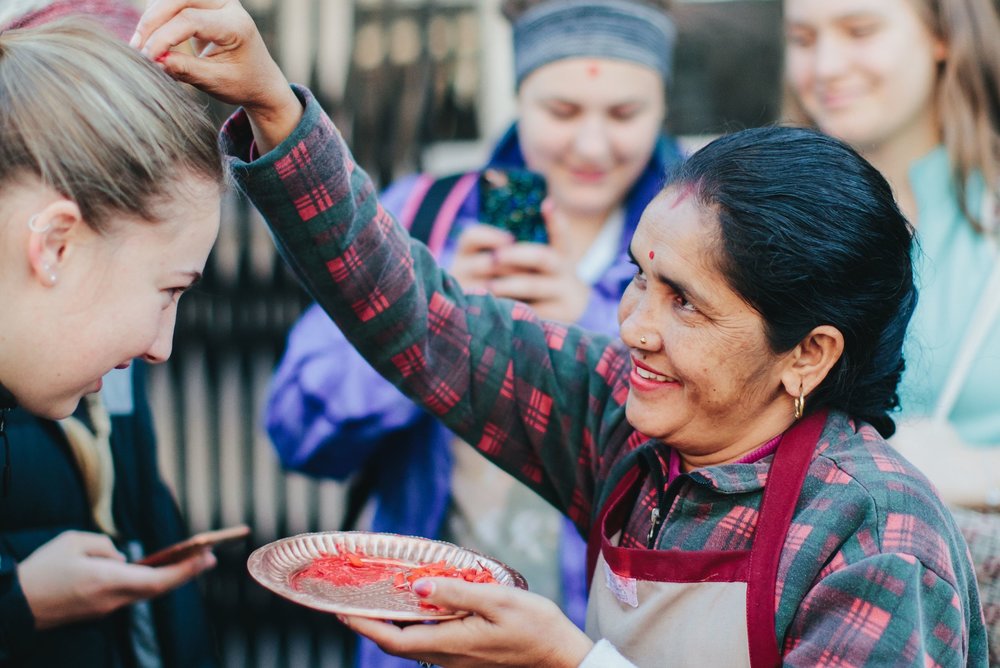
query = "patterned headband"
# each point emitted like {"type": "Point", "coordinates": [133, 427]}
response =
{"type": "Point", "coordinates": [616, 29]}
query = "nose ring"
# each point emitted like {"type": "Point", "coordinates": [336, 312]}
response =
{"type": "Point", "coordinates": [642, 340]}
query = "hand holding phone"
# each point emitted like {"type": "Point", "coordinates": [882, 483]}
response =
{"type": "Point", "coordinates": [191, 546]}
{"type": "Point", "coordinates": [512, 200]}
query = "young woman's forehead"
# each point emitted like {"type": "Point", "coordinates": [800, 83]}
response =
{"type": "Point", "coordinates": [590, 77]}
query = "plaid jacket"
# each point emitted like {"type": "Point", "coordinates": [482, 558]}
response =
{"type": "Point", "coordinates": [873, 572]}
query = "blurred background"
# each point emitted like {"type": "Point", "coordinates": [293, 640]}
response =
{"type": "Point", "coordinates": [414, 85]}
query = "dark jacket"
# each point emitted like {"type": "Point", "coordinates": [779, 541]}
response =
{"type": "Point", "coordinates": [46, 498]}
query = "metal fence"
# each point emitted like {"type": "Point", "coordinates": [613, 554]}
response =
{"type": "Point", "coordinates": [397, 77]}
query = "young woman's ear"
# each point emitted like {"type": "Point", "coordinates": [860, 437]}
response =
{"type": "Point", "coordinates": [50, 238]}
{"type": "Point", "coordinates": [812, 359]}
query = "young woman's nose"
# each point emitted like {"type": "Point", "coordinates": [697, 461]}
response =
{"type": "Point", "coordinates": [592, 140]}
{"type": "Point", "coordinates": [159, 351]}
{"type": "Point", "coordinates": [830, 56]}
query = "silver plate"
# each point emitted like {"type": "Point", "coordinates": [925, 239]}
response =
{"type": "Point", "coordinates": [274, 565]}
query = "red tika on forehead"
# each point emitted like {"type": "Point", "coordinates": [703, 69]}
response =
{"type": "Point", "coordinates": [651, 255]}
{"type": "Point", "coordinates": [681, 193]}
{"type": "Point", "coordinates": [593, 69]}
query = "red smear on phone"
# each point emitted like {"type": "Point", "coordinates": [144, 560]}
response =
{"type": "Point", "coordinates": [163, 56]}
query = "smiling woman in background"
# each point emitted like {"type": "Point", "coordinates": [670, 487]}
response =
{"type": "Point", "coordinates": [914, 85]}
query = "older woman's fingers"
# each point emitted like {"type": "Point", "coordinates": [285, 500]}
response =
{"type": "Point", "coordinates": [408, 641]}
{"type": "Point", "coordinates": [485, 600]}
{"type": "Point", "coordinates": [160, 12]}
{"type": "Point", "coordinates": [214, 29]}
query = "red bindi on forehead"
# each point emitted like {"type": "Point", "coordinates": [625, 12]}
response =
{"type": "Point", "coordinates": [652, 255]}
{"type": "Point", "coordinates": [593, 70]}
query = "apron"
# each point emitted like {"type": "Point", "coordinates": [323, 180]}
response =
{"type": "Point", "coordinates": [697, 608]}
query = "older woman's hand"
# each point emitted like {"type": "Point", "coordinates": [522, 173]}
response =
{"type": "Point", "coordinates": [509, 627]}
{"type": "Point", "coordinates": [79, 575]}
{"type": "Point", "coordinates": [230, 61]}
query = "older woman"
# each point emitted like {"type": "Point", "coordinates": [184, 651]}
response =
{"type": "Point", "coordinates": [726, 456]}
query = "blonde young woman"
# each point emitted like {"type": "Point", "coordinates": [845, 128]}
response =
{"type": "Point", "coordinates": [912, 85]}
{"type": "Point", "coordinates": [110, 183]}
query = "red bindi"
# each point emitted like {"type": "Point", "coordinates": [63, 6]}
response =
{"type": "Point", "coordinates": [593, 69]}
{"type": "Point", "coordinates": [651, 255]}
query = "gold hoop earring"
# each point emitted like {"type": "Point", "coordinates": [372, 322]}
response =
{"type": "Point", "coordinates": [800, 403]}
{"type": "Point", "coordinates": [642, 340]}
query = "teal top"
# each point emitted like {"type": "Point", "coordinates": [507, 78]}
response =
{"type": "Point", "coordinates": [953, 263]}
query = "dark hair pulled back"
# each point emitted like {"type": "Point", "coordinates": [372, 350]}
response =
{"type": "Point", "coordinates": [811, 235]}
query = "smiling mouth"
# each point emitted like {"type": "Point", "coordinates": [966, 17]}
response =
{"type": "Point", "coordinates": [649, 375]}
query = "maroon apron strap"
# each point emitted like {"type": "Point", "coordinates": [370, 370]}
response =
{"type": "Point", "coordinates": [781, 494]}
{"type": "Point", "coordinates": [627, 484]}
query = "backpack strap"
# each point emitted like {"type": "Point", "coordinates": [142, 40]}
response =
{"type": "Point", "coordinates": [436, 212]}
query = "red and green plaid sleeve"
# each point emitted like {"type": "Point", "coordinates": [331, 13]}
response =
{"type": "Point", "coordinates": [489, 368]}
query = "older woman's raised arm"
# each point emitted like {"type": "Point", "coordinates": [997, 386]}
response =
{"type": "Point", "coordinates": [540, 413]}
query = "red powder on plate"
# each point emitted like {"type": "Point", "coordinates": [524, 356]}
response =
{"type": "Point", "coordinates": [355, 569]}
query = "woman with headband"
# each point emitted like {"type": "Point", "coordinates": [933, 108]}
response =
{"type": "Point", "coordinates": [590, 79]}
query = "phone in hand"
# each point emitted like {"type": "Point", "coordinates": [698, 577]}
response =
{"type": "Point", "coordinates": [191, 546]}
{"type": "Point", "coordinates": [511, 199]}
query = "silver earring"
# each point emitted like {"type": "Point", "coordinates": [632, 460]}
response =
{"type": "Point", "coordinates": [34, 227]}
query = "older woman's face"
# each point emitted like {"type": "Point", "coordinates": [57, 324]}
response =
{"type": "Point", "coordinates": [703, 373]}
{"type": "Point", "coordinates": [589, 126]}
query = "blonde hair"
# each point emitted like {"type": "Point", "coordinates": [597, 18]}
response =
{"type": "Point", "coordinates": [96, 121]}
{"type": "Point", "coordinates": [968, 91]}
